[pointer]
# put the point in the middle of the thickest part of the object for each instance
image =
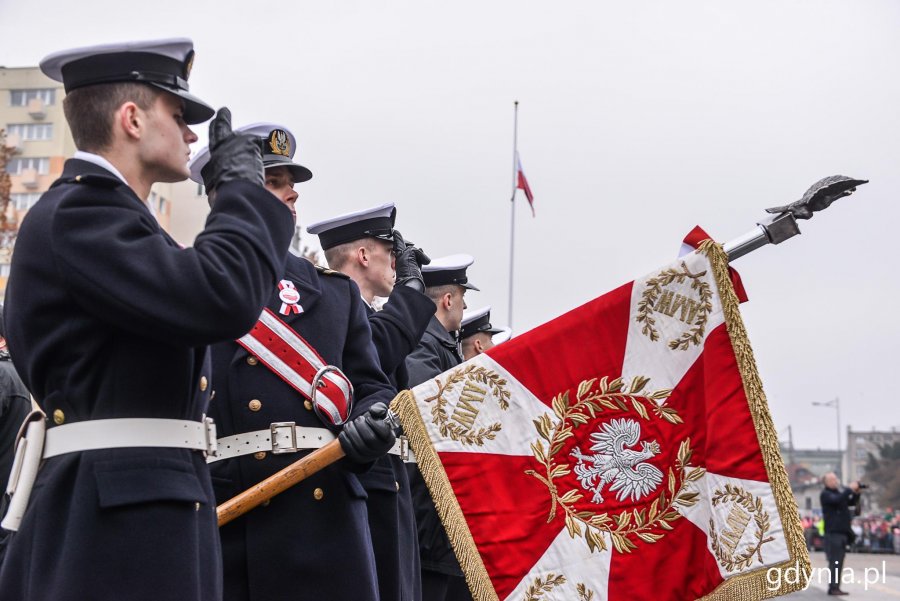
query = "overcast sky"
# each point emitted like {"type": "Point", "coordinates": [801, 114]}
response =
{"type": "Point", "coordinates": [637, 121]}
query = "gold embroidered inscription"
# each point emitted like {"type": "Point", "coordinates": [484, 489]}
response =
{"type": "Point", "coordinates": [732, 549]}
{"type": "Point", "coordinates": [456, 411]}
{"type": "Point", "coordinates": [657, 299]}
{"type": "Point", "coordinates": [466, 412]}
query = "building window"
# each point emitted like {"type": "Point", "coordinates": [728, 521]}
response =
{"type": "Point", "coordinates": [23, 202]}
{"type": "Point", "coordinates": [19, 164]}
{"type": "Point", "coordinates": [23, 97]}
{"type": "Point", "coordinates": [31, 131]}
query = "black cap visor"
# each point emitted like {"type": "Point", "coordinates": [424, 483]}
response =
{"type": "Point", "coordinates": [482, 324]}
{"type": "Point", "coordinates": [195, 110]}
{"type": "Point", "coordinates": [298, 172]}
{"type": "Point", "coordinates": [446, 277]}
{"type": "Point", "coordinates": [162, 72]}
{"type": "Point", "coordinates": [380, 228]}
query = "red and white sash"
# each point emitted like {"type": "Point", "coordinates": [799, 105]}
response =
{"type": "Point", "coordinates": [296, 362]}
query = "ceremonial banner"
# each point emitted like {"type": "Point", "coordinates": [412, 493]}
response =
{"type": "Point", "coordinates": [622, 451]}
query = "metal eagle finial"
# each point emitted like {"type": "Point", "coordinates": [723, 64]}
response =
{"type": "Point", "coordinates": [820, 196]}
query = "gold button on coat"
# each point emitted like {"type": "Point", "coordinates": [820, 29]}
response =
{"type": "Point", "coordinates": [59, 417]}
{"type": "Point", "coordinates": [397, 484]}
{"type": "Point", "coordinates": [318, 494]}
{"type": "Point", "coordinates": [204, 383]}
{"type": "Point", "coordinates": [259, 455]}
{"type": "Point", "coordinates": [255, 405]}
{"type": "Point", "coordinates": [308, 405]}
{"type": "Point", "coordinates": [252, 360]}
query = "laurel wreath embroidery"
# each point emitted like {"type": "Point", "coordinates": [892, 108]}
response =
{"type": "Point", "coordinates": [649, 297]}
{"type": "Point", "coordinates": [754, 507]}
{"type": "Point", "coordinates": [535, 591]}
{"type": "Point", "coordinates": [456, 432]}
{"type": "Point", "coordinates": [592, 397]}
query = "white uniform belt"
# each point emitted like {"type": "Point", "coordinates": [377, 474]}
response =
{"type": "Point", "coordinates": [286, 437]}
{"type": "Point", "coordinates": [118, 433]}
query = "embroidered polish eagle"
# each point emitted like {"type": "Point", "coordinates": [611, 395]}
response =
{"type": "Point", "coordinates": [624, 469]}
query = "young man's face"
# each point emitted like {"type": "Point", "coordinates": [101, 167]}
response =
{"type": "Point", "coordinates": [165, 145]}
{"type": "Point", "coordinates": [457, 306]}
{"type": "Point", "coordinates": [382, 266]}
{"type": "Point", "coordinates": [280, 182]}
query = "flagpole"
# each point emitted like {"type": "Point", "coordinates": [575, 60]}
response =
{"type": "Point", "coordinates": [512, 217]}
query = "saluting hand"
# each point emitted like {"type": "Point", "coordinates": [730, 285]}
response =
{"type": "Point", "coordinates": [409, 261]}
{"type": "Point", "coordinates": [232, 156]}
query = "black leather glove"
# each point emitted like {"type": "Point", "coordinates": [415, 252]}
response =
{"type": "Point", "coordinates": [369, 436]}
{"type": "Point", "coordinates": [231, 156]}
{"type": "Point", "coordinates": [409, 261]}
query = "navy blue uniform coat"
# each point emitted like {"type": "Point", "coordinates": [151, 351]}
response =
{"type": "Point", "coordinates": [396, 331]}
{"type": "Point", "coordinates": [299, 546]}
{"type": "Point", "coordinates": [108, 317]}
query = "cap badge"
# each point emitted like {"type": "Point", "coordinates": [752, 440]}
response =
{"type": "Point", "coordinates": [280, 143]}
{"type": "Point", "coordinates": [290, 298]}
{"type": "Point", "coordinates": [188, 64]}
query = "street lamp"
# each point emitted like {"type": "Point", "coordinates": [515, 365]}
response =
{"type": "Point", "coordinates": [836, 404]}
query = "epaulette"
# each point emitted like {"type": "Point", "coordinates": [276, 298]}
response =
{"type": "Point", "coordinates": [89, 179]}
{"type": "Point", "coordinates": [326, 271]}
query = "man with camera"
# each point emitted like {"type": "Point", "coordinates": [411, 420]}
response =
{"type": "Point", "coordinates": [836, 501]}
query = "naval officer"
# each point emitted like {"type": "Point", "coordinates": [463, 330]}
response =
{"type": "Point", "coordinates": [108, 319]}
{"type": "Point", "coordinates": [477, 334]}
{"type": "Point", "coordinates": [312, 541]}
{"type": "Point", "coordinates": [446, 283]}
{"type": "Point", "coordinates": [365, 246]}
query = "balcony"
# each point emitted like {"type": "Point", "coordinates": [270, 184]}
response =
{"type": "Point", "coordinates": [29, 178]}
{"type": "Point", "coordinates": [37, 109]}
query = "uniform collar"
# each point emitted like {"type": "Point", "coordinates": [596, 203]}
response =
{"type": "Point", "coordinates": [78, 165]}
{"type": "Point", "coordinates": [98, 160]}
{"type": "Point", "coordinates": [436, 329]}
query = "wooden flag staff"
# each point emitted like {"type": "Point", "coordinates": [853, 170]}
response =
{"type": "Point", "coordinates": [284, 479]}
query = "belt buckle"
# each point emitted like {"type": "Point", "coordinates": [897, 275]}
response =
{"type": "Point", "coordinates": [274, 427]}
{"type": "Point", "coordinates": [318, 382]}
{"type": "Point", "coordinates": [404, 447]}
{"type": "Point", "coordinates": [212, 443]}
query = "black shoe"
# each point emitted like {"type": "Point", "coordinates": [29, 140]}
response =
{"type": "Point", "coordinates": [837, 592]}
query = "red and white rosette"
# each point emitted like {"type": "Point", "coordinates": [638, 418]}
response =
{"type": "Point", "coordinates": [290, 298]}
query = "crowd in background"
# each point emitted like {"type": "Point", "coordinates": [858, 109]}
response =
{"type": "Point", "coordinates": [875, 532]}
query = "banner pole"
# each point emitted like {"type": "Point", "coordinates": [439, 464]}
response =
{"type": "Point", "coordinates": [512, 213]}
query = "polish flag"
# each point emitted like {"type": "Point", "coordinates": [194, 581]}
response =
{"type": "Point", "coordinates": [522, 183]}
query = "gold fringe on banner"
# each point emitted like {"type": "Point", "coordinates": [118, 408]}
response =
{"type": "Point", "coordinates": [755, 585]}
{"type": "Point", "coordinates": [404, 405]}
